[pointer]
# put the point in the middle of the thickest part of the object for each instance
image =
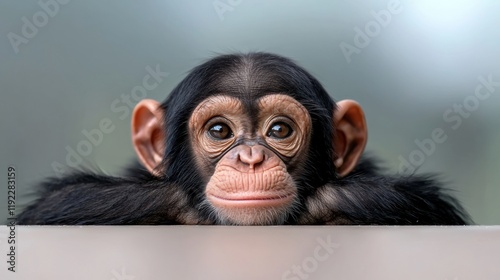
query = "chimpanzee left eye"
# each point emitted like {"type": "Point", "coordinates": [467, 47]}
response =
{"type": "Point", "coordinates": [280, 130]}
{"type": "Point", "coordinates": [220, 131]}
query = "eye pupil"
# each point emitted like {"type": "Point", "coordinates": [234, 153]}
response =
{"type": "Point", "coordinates": [280, 130]}
{"type": "Point", "coordinates": [220, 131]}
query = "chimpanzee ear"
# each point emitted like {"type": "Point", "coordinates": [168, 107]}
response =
{"type": "Point", "coordinates": [147, 133]}
{"type": "Point", "coordinates": [350, 135]}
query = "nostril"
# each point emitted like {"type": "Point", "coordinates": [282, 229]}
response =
{"type": "Point", "coordinates": [259, 156]}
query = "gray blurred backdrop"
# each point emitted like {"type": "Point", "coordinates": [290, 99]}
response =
{"type": "Point", "coordinates": [67, 66]}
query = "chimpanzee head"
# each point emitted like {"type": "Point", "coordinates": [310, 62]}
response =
{"type": "Point", "coordinates": [248, 137]}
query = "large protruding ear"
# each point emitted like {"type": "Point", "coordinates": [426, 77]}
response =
{"type": "Point", "coordinates": [350, 135]}
{"type": "Point", "coordinates": [147, 133]}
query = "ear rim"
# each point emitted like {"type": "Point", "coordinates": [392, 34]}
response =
{"type": "Point", "coordinates": [351, 135]}
{"type": "Point", "coordinates": [148, 134]}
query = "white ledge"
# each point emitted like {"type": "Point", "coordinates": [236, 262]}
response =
{"type": "Point", "coordinates": [220, 252]}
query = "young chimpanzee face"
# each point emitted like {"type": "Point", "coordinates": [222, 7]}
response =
{"type": "Point", "coordinates": [259, 131]}
{"type": "Point", "coordinates": [251, 152]}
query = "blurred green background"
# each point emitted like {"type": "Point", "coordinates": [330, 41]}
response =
{"type": "Point", "coordinates": [64, 67]}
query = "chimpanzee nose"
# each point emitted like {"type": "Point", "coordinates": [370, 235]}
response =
{"type": "Point", "coordinates": [252, 156]}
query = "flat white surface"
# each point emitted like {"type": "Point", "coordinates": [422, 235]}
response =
{"type": "Point", "coordinates": [217, 252]}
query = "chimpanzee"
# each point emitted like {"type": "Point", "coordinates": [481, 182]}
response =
{"type": "Point", "coordinates": [247, 139]}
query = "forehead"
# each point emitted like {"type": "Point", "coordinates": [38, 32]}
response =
{"type": "Point", "coordinates": [248, 78]}
{"type": "Point", "coordinates": [231, 105]}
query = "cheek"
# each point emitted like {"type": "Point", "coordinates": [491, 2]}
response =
{"type": "Point", "coordinates": [204, 152]}
{"type": "Point", "coordinates": [202, 162]}
{"type": "Point", "coordinates": [293, 147]}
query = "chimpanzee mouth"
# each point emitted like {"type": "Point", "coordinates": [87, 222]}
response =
{"type": "Point", "coordinates": [252, 199]}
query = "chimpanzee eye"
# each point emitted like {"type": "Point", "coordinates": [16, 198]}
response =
{"type": "Point", "coordinates": [220, 131]}
{"type": "Point", "coordinates": [280, 130]}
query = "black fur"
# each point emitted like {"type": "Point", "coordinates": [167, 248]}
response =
{"type": "Point", "coordinates": [366, 196]}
